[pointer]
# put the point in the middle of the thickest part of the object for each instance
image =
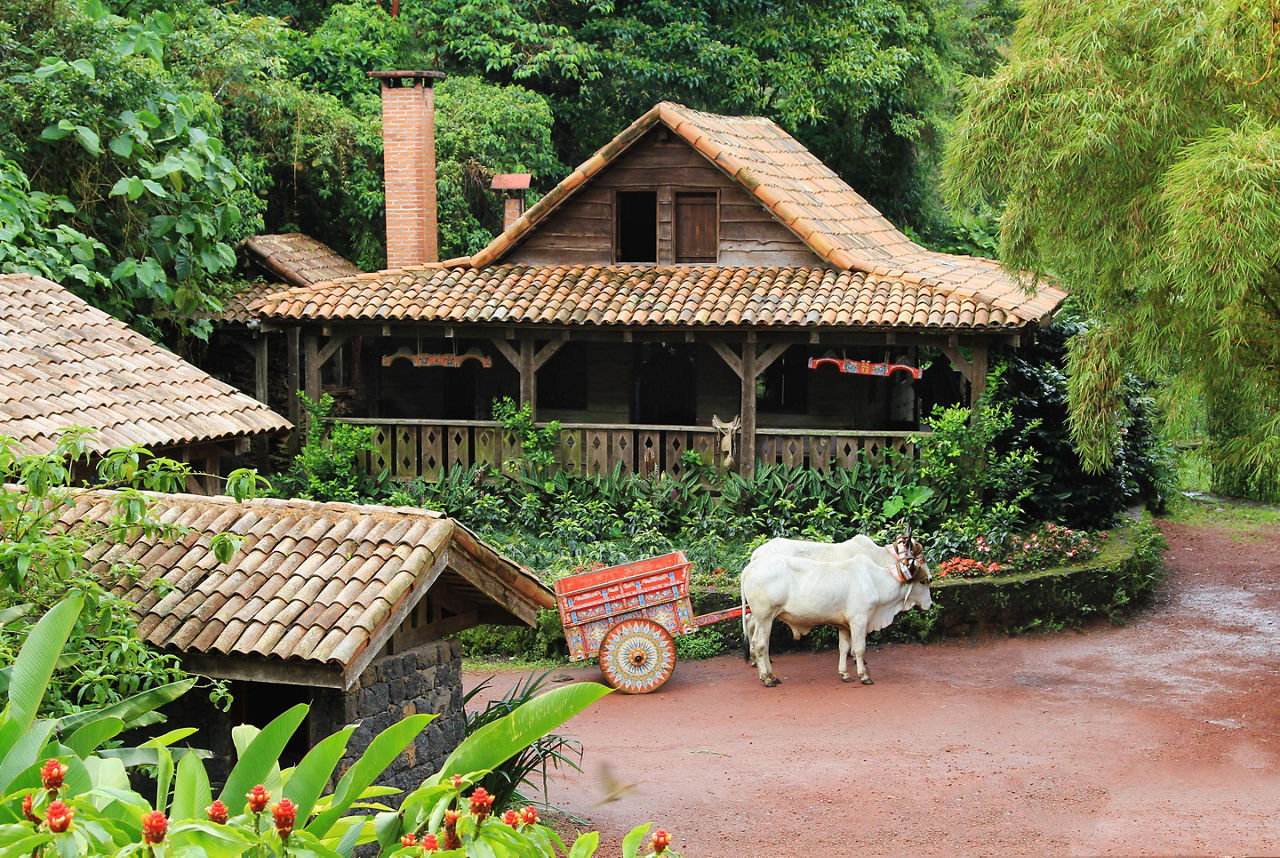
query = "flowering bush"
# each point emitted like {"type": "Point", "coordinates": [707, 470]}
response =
{"type": "Point", "coordinates": [1048, 545]}
{"type": "Point", "coordinates": [966, 567]}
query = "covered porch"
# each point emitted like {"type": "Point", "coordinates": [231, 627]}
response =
{"type": "Point", "coordinates": [639, 400]}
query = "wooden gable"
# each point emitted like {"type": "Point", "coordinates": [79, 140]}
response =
{"type": "Point", "coordinates": [701, 216]}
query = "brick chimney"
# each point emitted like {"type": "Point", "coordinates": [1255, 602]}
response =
{"type": "Point", "coordinates": [409, 165]}
{"type": "Point", "coordinates": [514, 184]}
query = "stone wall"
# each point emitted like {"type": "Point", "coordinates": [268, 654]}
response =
{"type": "Point", "coordinates": [427, 678]}
{"type": "Point", "coordinates": [424, 679]}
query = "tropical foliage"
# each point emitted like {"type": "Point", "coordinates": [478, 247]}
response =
{"type": "Point", "coordinates": [1135, 149]}
{"type": "Point", "coordinates": [66, 792]}
{"type": "Point", "coordinates": [42, 561]}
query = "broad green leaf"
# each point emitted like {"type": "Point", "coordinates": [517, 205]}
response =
{"type": "Point", "coordinates": [89, 140]}
{"type": "Point", "coordinates": [33, 668]}
{"type": "Point", "coordinates": [585, 846]}
{"type": "Point", "coordinates": [191, 792]}
{"type": "Point", "coordinates": [121, 187]}
{"type": "Point", "coordinates": [631, 843]}
{"type": "Point", "coordinates": [85, 68]}
{"type": "Point", "coordinates": [385, 747]}
{"type": "Point", "coordinates": [131, 710]}
{"type": "Point", "coordinates": [351, 836]}
{"type": "Point", "coordinates": [58, 131]}
{"type": "Point", "coordinates": [50, 68]}
{"type": "Point", "coordinates": [122, 145]}
{"type": "Point", "coordinates": [87, 739]}
{"type": "Point", "coordinates": [8, 615]}
{"type": "Point", "coordinates": [214, 841]}
{"type": "Point", "coordinates": [494, 743]}
{"type": "Point", "coordinates": [310, 776]}
{"type": "Point", "coordinates": [24, 753]}
{"type": "Point", "coordinates": [261, 756]}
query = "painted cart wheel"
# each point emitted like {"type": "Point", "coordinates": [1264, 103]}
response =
{"type": "Point", "coordinates": [637, 656]}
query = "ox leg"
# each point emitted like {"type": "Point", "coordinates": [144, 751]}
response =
{"type": "Point", "coordinates": [859, 634]}
{"type": "Point", "coordinates": [845, 646]}
{"type": "Point", "coordinates": [760, 650]}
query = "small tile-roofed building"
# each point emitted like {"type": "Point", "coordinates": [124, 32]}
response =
{"type": "Point", "coordinates": [696, 267]}
{"type": "Point", "coordinates": [65, 363]}
{"type": "Point", "coordinates": [341, 606]}
{"type": "Point", "coordinates": [270, 263]}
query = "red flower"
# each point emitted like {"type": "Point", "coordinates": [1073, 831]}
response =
{"type": "Point", "coordinates": [456, 780]}
{"type": "Point", "coordinates": [51, 775]}
{"type": "Point", "coordinates": [451, 840]}
{"type": "Point", "coordinates": [58, 817]}
{"type": "Point", "coordinates": [154, 827]}
{"type": "Point", "coordinates": [430, 843]}
{"type": "Point", "coordinates": [661, 840]}
{"type": "Point", "coordinates": [481, 803]}
{"type": "Point", "coordinates": [408, 840]}
{"type": "Point", "coordinates": [27, 801]}
{"type": "Point", "coordinates": [285, 813]}
{"type": "Point", "coordinates": [529, 815]}
{"type": "Point", "coordinates": [217, 812]}
{"type": "Point", "coordinates": [258, 798]}
{"type": "Point", "coordinates": [511, 818]}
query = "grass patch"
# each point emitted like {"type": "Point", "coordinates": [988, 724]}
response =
{"type": "Point", "coordinates": [1246, 520]}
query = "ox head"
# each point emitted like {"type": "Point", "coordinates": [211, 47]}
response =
{"type": "Point", "coordinates": [910, 554]}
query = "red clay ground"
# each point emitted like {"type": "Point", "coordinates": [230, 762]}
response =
{"type": "Point", "coordinates": [1157, 738]}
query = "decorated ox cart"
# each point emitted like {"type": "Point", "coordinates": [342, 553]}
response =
{"type": "Point", "coordinates": [629, 616]}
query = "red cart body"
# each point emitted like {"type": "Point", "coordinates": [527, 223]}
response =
{"type": "Point", "coordinates": [593, 602]}
{"type": "Point", "coordinates": [628, 616]}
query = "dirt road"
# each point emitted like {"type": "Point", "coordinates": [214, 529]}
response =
{"type": "Point", "coordinates": [1158, 738]}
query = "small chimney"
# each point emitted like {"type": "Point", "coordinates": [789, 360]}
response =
{"type": "Point", "coordinates": [409, 165]}
{"type": "Point", "coordinates": [515, 184]}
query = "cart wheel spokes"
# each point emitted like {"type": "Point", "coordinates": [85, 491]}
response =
{"type": "Point", "coordinates": [637, 656]}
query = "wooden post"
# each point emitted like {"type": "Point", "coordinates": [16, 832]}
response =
{"type": "Point", "coordinates": [294, 348]}
{"type": "Point", "coordinates": [260, 367]}
{"type": "Point", "coordinates": [528, 376]}
{"type": "Point", "coordinates": [978, 383]}
{"type": "Point", "coordinates": [749, 406]}
{"type": "Point", "coordinates": [311, 367]}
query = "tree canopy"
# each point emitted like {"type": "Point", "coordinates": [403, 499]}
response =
{"type": "Point", "coordinates": [142, 140]}
{"type": "Point", "coordinates": [1135, 148]}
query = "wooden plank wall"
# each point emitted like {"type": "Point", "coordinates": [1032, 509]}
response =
{"type": "Point", "coordinates": [581, 232]}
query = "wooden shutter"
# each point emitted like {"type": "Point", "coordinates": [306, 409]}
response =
{"type": "Point", "coordinates": [697, 236]}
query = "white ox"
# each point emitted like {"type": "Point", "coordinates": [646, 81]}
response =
{"type": "Point", "coordinates": [858, 591]}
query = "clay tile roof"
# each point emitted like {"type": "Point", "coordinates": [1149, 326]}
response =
{"type": "Point", "coordinates": [684, 296]}
{"type": "Point", "coordinates": [235, 307]}
{"type": "Point", "coordinates": [801, 192]}
{"type": "Point", "coordinates": [65, 363]}
{"type": "Point", "coordinates": [336, 609]}
{"type": "Point", "coordinates": [298, 259]}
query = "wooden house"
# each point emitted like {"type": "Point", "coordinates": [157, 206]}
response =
{"type": "Point", "coordinates": [696, 267]}
{"type": "Point", "coordinates": [64, 363]}
{"type": "Point", "coordinates": [341, 606]}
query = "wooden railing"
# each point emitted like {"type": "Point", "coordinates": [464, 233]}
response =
{"type": "Point", "coordinates": [424, 448]}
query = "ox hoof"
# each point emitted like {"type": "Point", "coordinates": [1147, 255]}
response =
{"type": "Point", "coordinates": [771, 681]}
{"type": "Point", "coordinates": [866, 680]}
{"type": "Point", "coordinates": [844, 677]}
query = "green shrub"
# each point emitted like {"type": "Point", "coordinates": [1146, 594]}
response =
{"type": "Point", "coordinates": [331, 466]}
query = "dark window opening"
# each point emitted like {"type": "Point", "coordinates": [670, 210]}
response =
{"type": "Point", "coordinates": [665, 385]}
{"type": "Point", "coordinates": [784, 386]}
{"type": "Point", "coordinates": [562, 381]}
{"type": "Point", "coordinates": [637, 225]}
{"type": "Point", "coordinates": [697, 238]}
{"type": "Point", "coordinates": [260, 703]}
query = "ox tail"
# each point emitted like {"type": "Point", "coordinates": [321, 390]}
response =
{"type": "Point", "coordinates": [746, 638]}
